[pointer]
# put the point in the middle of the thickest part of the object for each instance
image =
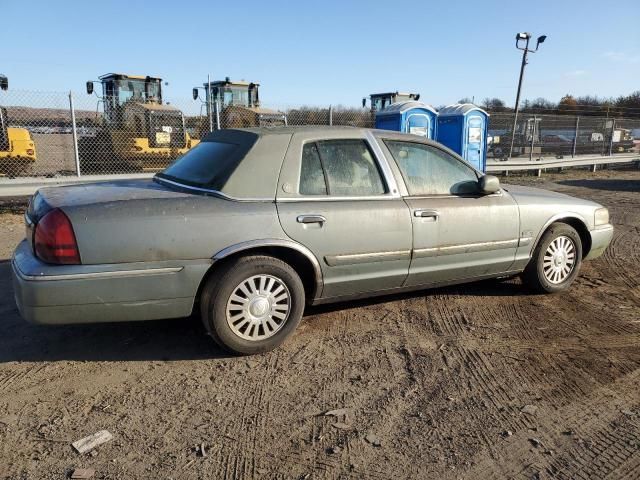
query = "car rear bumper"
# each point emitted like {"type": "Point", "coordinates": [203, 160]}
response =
{"type": "Point", "coordinates": [600, 239]}
{"type": "Point", "coordinates": [64, 294]}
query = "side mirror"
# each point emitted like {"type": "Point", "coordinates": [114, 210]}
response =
{"type": "Point", "coordinates": [194, 93]}
{"type": "Point", "coordinates": [4, 83]}
{"type": "Point", "coordinates": [89, 87]}
{"type": "Point", "coordinates": [364, 102]}
{"type": "Point", "coordinates": [489, 184]}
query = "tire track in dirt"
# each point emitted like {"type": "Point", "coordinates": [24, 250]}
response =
{"type": "Point", "coordinates": [585, 417]}
{"type": "Point", "coordinates": [623, 256]}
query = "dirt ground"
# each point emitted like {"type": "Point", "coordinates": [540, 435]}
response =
{"type": "Point", "coordinates": [477, 381]}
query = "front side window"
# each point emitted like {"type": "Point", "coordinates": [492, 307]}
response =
{"type": "Point", "coordinates": [427, 170]}
{"type": "Point", "coordinates": [339, 168]}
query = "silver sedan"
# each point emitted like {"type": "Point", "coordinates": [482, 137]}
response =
{"type": "Point", "coordinates": [251, 225]}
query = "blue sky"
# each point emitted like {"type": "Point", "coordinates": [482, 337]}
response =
{"type": "Point", "coordinates": [336, 52]}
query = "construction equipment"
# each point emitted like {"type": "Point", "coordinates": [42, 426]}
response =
{"type": "Point", "coordinates": [17, 150]}
{"type": "Point", "coordinates": [233, 104]}
{"type": "Point", "coordinates": [138, 129]}
{"type": "Point", "coordinates": [378, 101]}
{"type": "Point", "coordinates": [527, 140]}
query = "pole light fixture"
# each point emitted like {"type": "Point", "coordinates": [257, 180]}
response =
{"type": "Point", "coordinates": [522, 43]}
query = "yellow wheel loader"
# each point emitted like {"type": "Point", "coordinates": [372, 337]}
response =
{"type": "Point", "coordinates": [138, 130]}
{"type": "Point", "coordinates": [236, 104]}
{"type": "Point", "coordinates": [17, 149]}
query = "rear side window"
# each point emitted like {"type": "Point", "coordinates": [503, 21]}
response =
{"type": "Point", "coordinates": [339, 168]}
{"type": "Point", "coordinates": [208, 164]}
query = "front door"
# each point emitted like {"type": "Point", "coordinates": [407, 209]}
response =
{"type": "Point", "coordinates": [458, 233]}
{"type": "Point", "coordinates": [336, 199]}
{"type": "Point", "coordinates": [474, 144]}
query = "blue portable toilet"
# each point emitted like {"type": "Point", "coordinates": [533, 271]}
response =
{"type": "Point", "coordinates": [409, 117]}
{"type": "Point", "coordinates": [463, 128]}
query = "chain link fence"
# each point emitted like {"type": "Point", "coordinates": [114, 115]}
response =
{"type": "Point", "coordinates": [56, 134]}
{"type": "Point", "coordinates": [560, 136]}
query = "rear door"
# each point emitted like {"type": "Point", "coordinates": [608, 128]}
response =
{"type": "Point", "coordinates": [338, 198]}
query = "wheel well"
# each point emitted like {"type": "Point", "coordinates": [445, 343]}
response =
{"type": "Point", "coordinates": [300, 263]}
{"type": "Point", "coordinates": [579, 227]}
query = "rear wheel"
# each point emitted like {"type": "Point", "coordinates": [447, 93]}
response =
{"type": "Point", "coordinates": [252, 304]}
{"type": "Point", "coordinates": [556, 260]}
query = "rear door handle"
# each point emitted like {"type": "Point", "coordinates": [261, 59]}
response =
{"type": "Point", "coordinates": [426, 214]}
{"type": "Point", "coordinates": [311, 219]}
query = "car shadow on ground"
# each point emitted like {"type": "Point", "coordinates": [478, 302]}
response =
{"type": "Point", "coordinates": [605, 184]}
{"type": "Point", "coordinates": [162, 340]}
{"type": "Point", "coordinates": [484, 288]}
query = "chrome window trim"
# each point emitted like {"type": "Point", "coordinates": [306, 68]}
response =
{"type": "Point", "coordinates": [94, 275]}
{"type": "Point", "coordinates": [357, 258]}
{"type": "Point", "coordinates": [336, 199]}
{"type": "Point", "coordinates": [499, 193]}
{"type": "Point", "coordinates": [464, 248]}
{"type": "Point", "coordinates": [211, 191]}
{"type": "Point", "coordinates": [392, 185]}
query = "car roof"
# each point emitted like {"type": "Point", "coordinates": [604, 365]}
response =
{"type": "Point", "coordinates": [323, 130]}
{"type": "Point", "coordinates": [296, 129]}
{"type": "Point", "coordinates": [328, 129]}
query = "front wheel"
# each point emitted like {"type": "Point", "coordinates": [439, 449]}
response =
{"type": "Point", "coordinates": [556, 260]}
{"type": "Point", "coordinates": [252, 304]}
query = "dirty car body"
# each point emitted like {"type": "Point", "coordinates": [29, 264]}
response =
{"type": "Point", "coordinates": [352, 212]}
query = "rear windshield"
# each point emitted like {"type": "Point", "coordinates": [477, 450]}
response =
{"type": "Point", "coordinates": [208, 164]}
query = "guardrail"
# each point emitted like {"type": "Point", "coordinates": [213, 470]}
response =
{"type": "Point", "coordinates": [515, 165]}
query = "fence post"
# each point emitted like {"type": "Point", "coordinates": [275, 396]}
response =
{"type": "Point", "coordinates": [533, 137]}
{"type": "Point", "coordinates": [613, 129]}
{"type": "Point", "coordinates": [575, 138]}
{"type": "Point", "coordinates": [74, 131]}
{"type": "Point", "coordinates": [218, 114]}
{"type": "Point", "coordinates": [330, 114]}
{"type": "Point", "coordinates": [209, 106]}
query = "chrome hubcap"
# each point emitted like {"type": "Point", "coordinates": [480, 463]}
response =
{"type": "Point", "coordinates": [258, 307]}
{"type": "Point", "coordinates": [559, 259]}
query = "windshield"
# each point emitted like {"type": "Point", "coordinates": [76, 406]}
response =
{"type": "Point", "coordinates": [209, 164]}
{"type": "Point", "coordinates": [124, 90]}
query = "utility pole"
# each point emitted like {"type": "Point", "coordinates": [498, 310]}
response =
{"type": "Point", "coordinates": [520, 37]}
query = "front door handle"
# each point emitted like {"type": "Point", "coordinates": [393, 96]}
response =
{"type": "Point", "coordinates": [426, 214]}
{"type": "Point", "coordinates": [311, 219]}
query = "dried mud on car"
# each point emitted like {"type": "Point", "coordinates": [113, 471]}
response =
{"type": "Point", "coordinates": [477, 381]}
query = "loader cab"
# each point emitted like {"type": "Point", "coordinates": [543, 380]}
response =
{"type": "Point", "coordinates": [133, 105]}
{"type": "Point", "coordinates": [228, 93]}
{"type": "Point", "coordinates": [379, 101]}
{"type": "Point", "coordinates": [120, 90]}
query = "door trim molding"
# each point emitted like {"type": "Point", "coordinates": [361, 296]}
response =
{"type": "Point", "coordinates": [464, 248]}
{"type": "Point", "coordinates": [357, 258]}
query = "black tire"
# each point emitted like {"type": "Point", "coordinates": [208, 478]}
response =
{"type": "Point", "coordinates": [216, 297]}
{"type": "Point", "coordinates": [534, 274]}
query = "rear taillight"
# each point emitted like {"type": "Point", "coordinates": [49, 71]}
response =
{"type": "Point", "coordinates": [54, 240]}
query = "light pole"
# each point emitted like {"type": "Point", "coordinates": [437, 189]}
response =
{"type": "Point", "coordinates": [522, 37]}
